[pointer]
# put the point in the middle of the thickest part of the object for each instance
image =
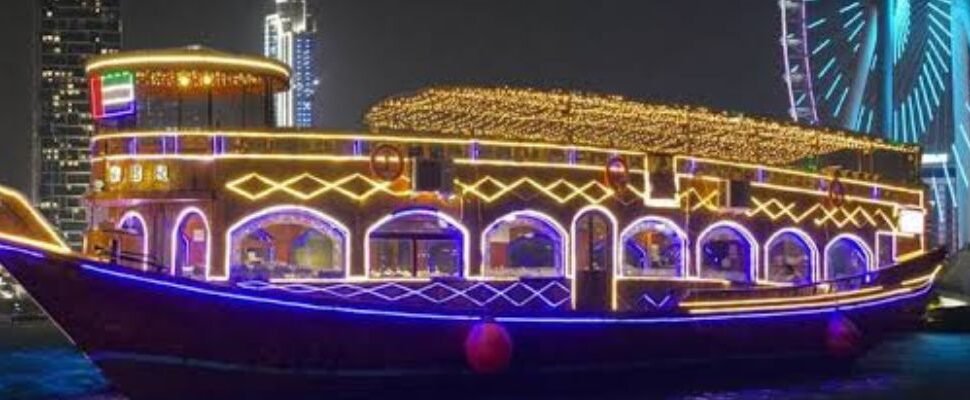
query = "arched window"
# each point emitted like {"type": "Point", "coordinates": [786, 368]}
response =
{"type": "Point", "coordinates": [288, 243]}
{"type": "Point", "coordinates": [594, 239]}
{"type": "Point", "coordinates": [524, 243]}
{"type": "Point", "coordinates": [654, 246]}
{"type": "Point", "coordinates": [846, 255]}
{"type": "Point", "coordinates": [134, 244]}
{"type": "Point", "coordinates": [726, 250]}
{"type": "Point", "coordinates": [191, 244]}
{"type": "Point", "coordinates": [416, 243]}
{"type": "Point", "coordinates": [791, 257]}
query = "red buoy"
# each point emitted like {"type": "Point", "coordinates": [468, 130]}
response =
{"type": "Point", "coordinates": [843, 339]}
{"type": "Point", "coordinates": [488, 348]}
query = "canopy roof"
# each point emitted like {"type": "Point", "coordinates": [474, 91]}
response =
{"type": "Point", "coordinates": [194, 69]}
{"type": "Point", "coordinates": [610, 121]}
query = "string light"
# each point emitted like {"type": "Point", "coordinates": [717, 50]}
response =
{"type": "Point", "coordinates": [527, 115]}
{"type": "Point", "coordinates": [823, 300]}
{"type": "Point", "coordinates": [202, 58]}
{"type": "Point", "coordinates": [52, 242]}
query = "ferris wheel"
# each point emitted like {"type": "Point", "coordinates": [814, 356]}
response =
{"type": "Point", "coordinates": [873, 66]}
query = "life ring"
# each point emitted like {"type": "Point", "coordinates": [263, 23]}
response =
{"type": "Point", "coordinates": [617, 174]}
{"type": "Point", "coordinates": [386, 162]}
{"type": "Point", "coordinates": [836, 195]}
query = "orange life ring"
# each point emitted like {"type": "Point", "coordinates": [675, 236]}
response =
{"type": "Point", "coordinates": [836, 195]}
{"type": "Point", "coordinates": [386, 162]}
{"type": "Point", "coordinates": [617, 174]}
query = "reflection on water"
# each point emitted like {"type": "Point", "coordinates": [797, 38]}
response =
{"type": "Point", "coordinates": [58, 372]}
{"type": "Point", "coordinates": [913, 366]}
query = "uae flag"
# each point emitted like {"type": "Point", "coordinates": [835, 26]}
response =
{"type": "Point", "coordinates": [113, 94]}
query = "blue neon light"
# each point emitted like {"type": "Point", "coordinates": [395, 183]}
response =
{"type": "Point", "coordinates": [277, 302]}
{"type": "Point", "coordinates": [835, 83]}
{"type": "Point", "coordinates": [821, 46]}
{"type": "Point", "coordinates": [855, 17]}
{"type": "Point", "coordinates": [838, 107]}
{"type": "Point", "coordinates": [509, 319]}
{"type": "Point", "coordinates": [936, 195]}
{"type": "Point", "coordinates": [31, 253]}
{"type": "Point", "coordinates": [817, 23]}
{"type": "Point", "coordinates": [960, 167]}
{"type": "Point", "coordinates": [949, 184]}
{"type": "Point", "coordinates": [828, 66]}
{"type": "Point", "coordinates": [848, 8]}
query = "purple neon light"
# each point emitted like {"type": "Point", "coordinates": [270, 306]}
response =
{"type": "Point", "coordinates": [35, 254]}
{"type": "Point", "coordinates": [508, 319]}
{"type": "Point", "coordinates": [750, 252]}
{"type": "Point", "coordinates": [854, 242]}
{"type": "Point", "coordinates": [285, 303]}
{"type": "Point", "coordinates": [804, 240]}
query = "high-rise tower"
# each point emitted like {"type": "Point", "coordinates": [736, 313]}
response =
{"type": "Point", "coordinates": [69, 32]}
{"type": "Point", "coordinates": [289, 37]}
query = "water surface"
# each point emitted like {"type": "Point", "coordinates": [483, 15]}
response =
{"type": "Point", "coordinates": [923, 365]}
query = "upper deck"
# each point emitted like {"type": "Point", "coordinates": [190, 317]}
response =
{"type": "Point", "coordinates": [354, 149]}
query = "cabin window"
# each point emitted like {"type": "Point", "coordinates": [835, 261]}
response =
{"type": "Point", "coordinates": [654, 246]}
{"type": "Point", "coordinates": [134, 240]}
{"type": "Point", "coordinates": [791, 257]}
{"type": "Point", "coordinates": [416, 244]}
{"type": "Point", "coordinates": [846, 256]}
{"type": "Point", "coordinates": [288, 243]}
{"type": "Point", "coordinates": [191, 241]}
{"type": "Point", "coordinates": [726, 250]}
{"type": "Point", "coordinates": [524, 244]}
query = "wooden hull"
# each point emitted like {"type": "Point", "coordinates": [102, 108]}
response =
{"type": "Point", "coordinates": [166, 337]}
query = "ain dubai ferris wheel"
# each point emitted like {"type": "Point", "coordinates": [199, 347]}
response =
{"type": "Point", "coordinates": [890, 68]}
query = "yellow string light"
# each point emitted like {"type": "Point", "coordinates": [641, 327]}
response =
{"type": "Point", "coordinates": [609, 121]}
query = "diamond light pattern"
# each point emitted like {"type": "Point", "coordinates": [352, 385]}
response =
{"type": "Point", "coordinates": [360, 187]}
{"type": "Point", "coordinates": [552, 294]}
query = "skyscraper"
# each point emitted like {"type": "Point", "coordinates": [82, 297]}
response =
{"type": "Point", "coordinates": [289, 37]}
{"type": "Point", "coordinates": [69, 32]}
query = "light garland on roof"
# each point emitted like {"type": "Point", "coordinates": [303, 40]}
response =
{"type": "Point", "coordinates": [590, 120]}
{"type": "Point", "coordinates": [194, 81]}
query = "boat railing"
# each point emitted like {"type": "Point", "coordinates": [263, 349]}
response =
{"type": "Point", "coordinates": [887, 275]}
{"type": "Point", "coordinates": [150, 262]}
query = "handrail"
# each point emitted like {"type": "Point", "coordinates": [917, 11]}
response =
{"type": "Point", "coordinates": [148, 259]}
{"type": "Point", "coordinates": [930, 257]}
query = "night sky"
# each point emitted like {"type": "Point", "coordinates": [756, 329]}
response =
{"type": "Point", "coordinates": [717, 53]}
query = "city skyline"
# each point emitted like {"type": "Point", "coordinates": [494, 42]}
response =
{"type": "Point", "coordinates": [69, 32]}
{"type": "Point", "coordinates": [291, 38]}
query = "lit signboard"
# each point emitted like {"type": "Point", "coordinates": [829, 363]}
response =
{"type": "Point", "coordinates": [112, 94]}
{"type": "Point", "coordinates": [911, 221]}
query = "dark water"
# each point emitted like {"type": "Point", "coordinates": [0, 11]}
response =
{"type": "Point", "coordinates": [924, 366]}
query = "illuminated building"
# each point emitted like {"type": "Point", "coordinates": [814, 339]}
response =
{"type": "Point", "coordinates": [289, 38]}
{"type": "Point", "coordinates": [70, 31]}
{"type": "Point", "coordinates": [461, 220]}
